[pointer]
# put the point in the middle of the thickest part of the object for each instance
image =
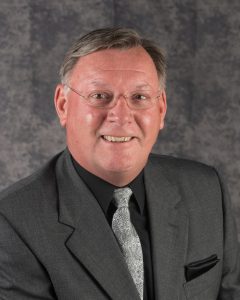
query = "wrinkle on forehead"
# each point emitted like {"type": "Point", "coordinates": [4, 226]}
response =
{"type": "Point", "coordinates": [117, 69]}
{"type": "Point", "coordinates": [103, 83]}
{"type": "Point", "coordinates": [100, 83]}
{"type": "Point", "coordinates": [95, 72]}
{"type": "Point", "coordinates": [122, 65]}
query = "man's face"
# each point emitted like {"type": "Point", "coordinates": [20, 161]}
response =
{"type": "Point", "coordinates": [120, 72]}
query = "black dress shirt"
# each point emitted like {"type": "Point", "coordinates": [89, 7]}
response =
{"type": "Point", "coordinates": [103, 192]}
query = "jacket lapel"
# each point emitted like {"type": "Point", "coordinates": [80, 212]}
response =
{"type": "Point", "coordinates": [168, 229]}
{"type": "Point", "coordinates": [91, 240]}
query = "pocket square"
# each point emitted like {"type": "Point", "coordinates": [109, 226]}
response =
{"type": "Point", "coordinates": [199, 267]}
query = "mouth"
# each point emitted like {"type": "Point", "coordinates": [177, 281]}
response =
{"type": "Point", "coordinates": [117, 139]}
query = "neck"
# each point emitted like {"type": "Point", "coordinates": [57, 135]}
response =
{"type": "Point", "coordinates": [118, 179]}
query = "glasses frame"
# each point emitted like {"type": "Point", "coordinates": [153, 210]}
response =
{"type": "Point", "coordinates": [113, 102]}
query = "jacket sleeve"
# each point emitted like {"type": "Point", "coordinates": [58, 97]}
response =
{"type": "Point", "coordinates": [230, 284]}
{"type": "Point", "coordinates": [22, 277]}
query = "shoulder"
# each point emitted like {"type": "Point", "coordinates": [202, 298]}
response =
{"type": "Point", "coordinates": [199, 185]}
{"type": "Point", "coordinates": [180, 164]}
{"type": "Point", "coordinates": [27, 192]}
{"type": "Point", "coordinates": [186, 172]}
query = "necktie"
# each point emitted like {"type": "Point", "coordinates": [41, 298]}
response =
{"type": "Point", "coordinates": [127, 237]}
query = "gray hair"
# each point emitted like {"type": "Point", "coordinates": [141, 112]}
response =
{"type": "Point", "coordinates": [112, 38]}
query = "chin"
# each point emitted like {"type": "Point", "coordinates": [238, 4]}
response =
{"type": "Point", "coordinates": [122, 165]}
{"type": "Point", "coordinates": [118, 167]}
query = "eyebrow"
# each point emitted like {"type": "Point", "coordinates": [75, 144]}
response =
{"type": "Point", "coordinates": [145, 85]}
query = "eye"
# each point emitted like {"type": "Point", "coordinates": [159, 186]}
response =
{"type": "Point", "coordinates": [139, 97]}
{"type": "Point", "coordinates": [100, 96]}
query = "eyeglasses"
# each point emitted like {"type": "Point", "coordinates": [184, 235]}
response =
{"type": "Point", "coordinates": [103, 99]}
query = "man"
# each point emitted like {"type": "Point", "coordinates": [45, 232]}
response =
{"type": "Point", "coordinates": [105, 219]}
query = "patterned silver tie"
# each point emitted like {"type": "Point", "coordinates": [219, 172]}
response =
{"type": "Point", "coordinates": [127, 237]}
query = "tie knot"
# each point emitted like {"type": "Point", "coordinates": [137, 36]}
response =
{"type": "Point", "coordinates": [121, 197]}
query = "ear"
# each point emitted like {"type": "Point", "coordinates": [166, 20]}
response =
{"type": "Point", "coordinates": [162, 108]}
{"type": "Point", "coordinates": [61, 104]}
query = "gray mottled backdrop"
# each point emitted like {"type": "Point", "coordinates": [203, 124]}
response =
{"type": "Point", "coordinates": [202, 42]}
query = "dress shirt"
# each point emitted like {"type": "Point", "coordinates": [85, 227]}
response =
{"type": "Point", "coordinates": [103, 192]}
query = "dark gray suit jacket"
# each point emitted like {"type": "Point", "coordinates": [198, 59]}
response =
{"type": "Point", "coordinates": [55, 242]}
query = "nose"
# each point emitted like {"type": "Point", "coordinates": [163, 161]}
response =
{"type": "Point", "coordinates": [120, 113]}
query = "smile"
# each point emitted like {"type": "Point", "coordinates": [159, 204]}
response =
{"type": "Point", "coordinates": [117, 139]}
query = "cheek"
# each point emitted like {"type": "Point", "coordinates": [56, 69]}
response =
{"type": "Point", "coordinates": [149, 124]}
{"type": "Point", "coordinates": [89, 118]}
{"type": "Point", "coordinates": [92, 119]}
{"type": "Point", "coordinates": [78, 114]}
{"type": "Point", "coordinates": [85, 121]}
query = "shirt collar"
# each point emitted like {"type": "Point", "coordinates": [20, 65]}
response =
{"type": "Point", "coordinates": [100, 187]}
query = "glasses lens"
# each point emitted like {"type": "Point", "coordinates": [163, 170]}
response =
{"type": "Point", "coordinates": [100, 99]}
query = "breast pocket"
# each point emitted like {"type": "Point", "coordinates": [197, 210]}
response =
{"type": "Point", "coordinates": [206, 286]}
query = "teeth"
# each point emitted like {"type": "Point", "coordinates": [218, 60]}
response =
{"type": "Point", "coordinates": [117, 139]}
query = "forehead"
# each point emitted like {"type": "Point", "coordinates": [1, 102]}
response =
{"type": "Point", "coordinates": [124, 63]}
